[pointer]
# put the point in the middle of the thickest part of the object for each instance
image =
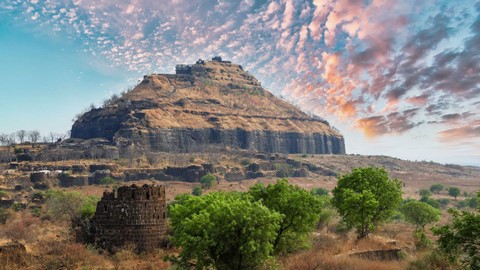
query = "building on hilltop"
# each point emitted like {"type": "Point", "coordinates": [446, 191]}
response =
{"type": "Point", "coordinates": [131, 215]}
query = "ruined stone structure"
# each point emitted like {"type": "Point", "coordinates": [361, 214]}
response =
{"type": "Point", "coordinates": [131, 215]}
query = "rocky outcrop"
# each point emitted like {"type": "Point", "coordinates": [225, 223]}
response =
{"type": "Point", "coordinates": [209, 104]}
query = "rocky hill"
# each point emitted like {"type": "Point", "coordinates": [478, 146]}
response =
{"type": "Point", "coordinates": [207, 104]}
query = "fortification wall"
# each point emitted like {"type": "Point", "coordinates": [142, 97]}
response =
{"type": "Point", "coordinates": [131, 215]}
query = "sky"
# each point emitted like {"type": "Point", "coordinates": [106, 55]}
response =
{"type": "Point", "coordinates": [397, 78]}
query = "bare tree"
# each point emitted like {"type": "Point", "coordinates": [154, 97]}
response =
{"type": "Point", "coordinates": [3, 139]}
{"type": "Point", "coordinates": [21, 135]}
{"type": "Point", "coordinates": [34, 136]}
{"type": "Point", "coordinates": [53, 137]}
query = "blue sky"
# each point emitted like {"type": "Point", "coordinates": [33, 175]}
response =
{"type": "Point", "coordinates": [398, 78]}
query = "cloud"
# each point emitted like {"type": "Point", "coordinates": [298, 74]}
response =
{"type": "Point", "coordinates": [363, 62]}
{"type": "Point", "coordinates": [463, 133]}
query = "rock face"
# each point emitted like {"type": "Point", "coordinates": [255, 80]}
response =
{"type": "Point", "coordinates": [209, 104]}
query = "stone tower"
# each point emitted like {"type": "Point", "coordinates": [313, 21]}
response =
{"type": "Point", "coordinates": [131, 215]}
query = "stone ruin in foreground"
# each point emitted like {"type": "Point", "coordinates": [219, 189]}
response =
{"type": "Point", "coordinates": [131, 215]}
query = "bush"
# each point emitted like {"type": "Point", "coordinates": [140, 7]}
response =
{"type": "Point", "coordinates": [424, 193]}
{"type": "Point", "coordinates": [443, 202]}
{"type": "Point", "coordinates": [74, 205]}
{"type": "Point", "coordinates": [319, 191]}
{"type": "Point", "coordinates": [436, 188]}
{"type": "Point", "coordinates": [107, 181]}
{"type": "Point", "coordinates": [208, 180]}
{"type": "Point", "coordinates": [431, 202]}
{"type": "Point", "coordinates": [283, 170]}
{"type": "Point", "coordinates": [197, 190]}
{"type": "Point", "coordinates": [421, 240]}
{"type": "Point", "coordinates": [432, 260]}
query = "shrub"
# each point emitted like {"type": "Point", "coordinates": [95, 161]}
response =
{"type": "Point", "coordinates": [107, 181]}
{"type": "Point", "coordinates": [431, 202]}
{"type": "Point", "coordinates": [319, 191]}
{"type": "Point", "coordinates": [208, 180]}
{"type": "Point", "coordinates": [443, 202]}
{"type": "Point", "coordinates": [197, 190]}
{"type": "Point", "coordinates": [420, 214]}
{"type": "Point", "coordinates": [436, 188]}
{"type": "Point", "coordinates": [74, 205]}
{"type": "Point", "coordinates": [424, 193]}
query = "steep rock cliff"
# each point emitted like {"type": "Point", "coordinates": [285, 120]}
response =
{"type": "Point", "coordinates": [208, 104]}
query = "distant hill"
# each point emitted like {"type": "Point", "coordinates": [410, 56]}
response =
{"type": "Point", "coordinates": [207, 104]}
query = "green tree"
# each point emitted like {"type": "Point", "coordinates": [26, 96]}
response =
{"type": "Point", "coordinates": [436, 188]}
{"type": "Point", "coordinates": [460, 239]}
{"type": "Point", "coordinates": [222, 231]}
{"type": "Point", "coordinates": [420, 214]}
{"type": "Point", "coordinates": [366, 197]}
{"type": "Point", "coordinates": [197, 190]}
{"type": "Point", "coordinates": [454, 192]}
{"type": "Point", "coordinates": [208, 180]}
{"type": "Point", "coordinates": [424, 193]}
{"type": "Point", "coordinates": [299, 208]}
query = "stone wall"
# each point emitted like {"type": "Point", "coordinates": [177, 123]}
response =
{"type": "Point", "coordinates": [131, 215]}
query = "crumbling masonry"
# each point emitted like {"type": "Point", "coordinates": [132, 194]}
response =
{"type": "Point", "coordinates": [131, 215]}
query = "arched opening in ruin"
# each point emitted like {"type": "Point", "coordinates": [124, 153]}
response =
{"type": "Point", "coordinates": [148, 196]}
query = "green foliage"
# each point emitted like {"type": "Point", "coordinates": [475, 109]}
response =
{"type": "Point", "coordinates": [304, 155]}
{"type": "Point", "coordinates": [107, 181]}
{"type": "Point", "coordinates": [421, 240]}
{"type": "Point", "coordinates": [443, 202]}
{"type": "Point", "coordinates": [454, 192]}
{"type": "Point", "coordinates": [319, 191]}
{"type": "Point", "coordinates": [299, 208]}
{"type": "Point", "coordinates": [61, 204]}
{"type": "Point", "coordinates": [432, 202]}
{"type": "Point", "coordinates": [223, 231]}
{"type": "Point", "coordinates": [424, 193]}
{"type": "Point", "coordinates": [460, 239]}
{"type": "Point", "coordinates": [436, 188]}
{"type": "Point", "coordinates": [208, 180]}
{"type": "Point", "coordinates": [366, 197]}
{"type": "Point", "coordinates": [420, 214]}
{"type": "Point", "coordinates": [197, 190]}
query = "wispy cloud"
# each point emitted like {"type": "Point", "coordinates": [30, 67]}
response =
{"type": "Point", "coordinates": [388, 66]}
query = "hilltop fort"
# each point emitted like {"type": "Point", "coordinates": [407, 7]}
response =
{"type": "Point", "coordinates": [203, 105]}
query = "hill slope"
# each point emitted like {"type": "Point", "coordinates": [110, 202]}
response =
{"type": "Point", "coordinates": [208, 104]}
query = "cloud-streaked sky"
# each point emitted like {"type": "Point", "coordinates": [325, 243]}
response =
{"type": "Point", "coordinates": [399, 78]}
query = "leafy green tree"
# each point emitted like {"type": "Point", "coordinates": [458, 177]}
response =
{"type": "Point", "coordinates": [420, 214]}
{"type": "Point", "coordinates": [197, 190]}
{"type": "Point", "coordinates": [222, 231]}
{"type": "Point", "coordinates": [366, 197]}
{"type": "Point", "coordinates": [460, 239]}
{"type": "Point", "coordinates": [299, 208]}
{"type": "Point", "coordinates": [454, 192]}
{"type": "Point", "coordinates": [436, 188]}
{"type": "Point", "coordinates": [424, 193]}
{"type": "Point", "coordinates": [319, 191]}
{"type": "Point", "coordinates": [208, 180]}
